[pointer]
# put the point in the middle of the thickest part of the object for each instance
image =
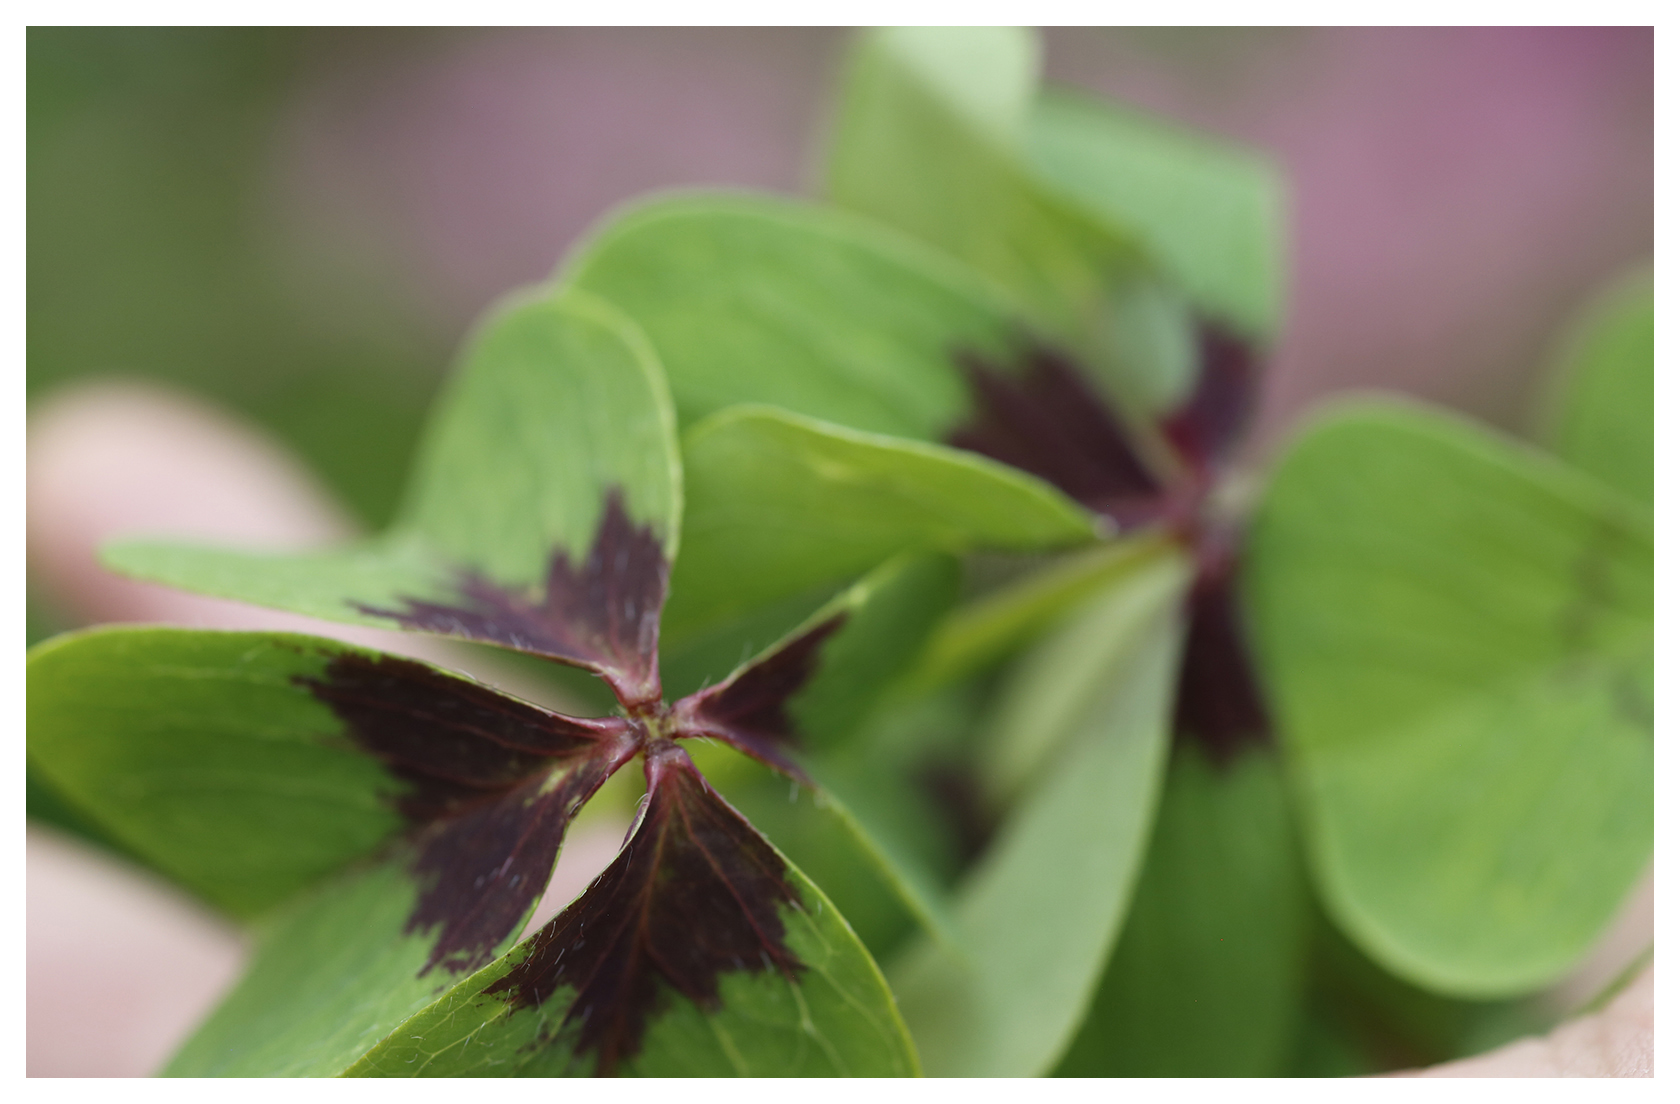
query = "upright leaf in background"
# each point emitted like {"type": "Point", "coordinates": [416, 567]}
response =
{"type": "Point", "coordinates": [928, 140]}
{"type": "Point", "coordinates": [1211, 215]}
{"type": "Point", "coordinates": [1038, 916]}
{"type": "Point", "coordinates": [549, 472]}
{"type": "Point", "coordinates": [1601, 412]}
{"type": "Point", "coordinates": [756, 299]}
{"type": "Point", "coordinates": [1206, 980]}
{"type": "Point", "coordinates": [1125, 237]}
{"type": "Point", "coordinates": [1457, 634]}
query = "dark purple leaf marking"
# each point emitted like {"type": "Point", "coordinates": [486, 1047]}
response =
{"type": "Point", "coordinates": [1045, 419]}
{"type": "Point", "coordinates": [954, 791]}
{"type": "Point", "coordinates": [446, 736]}
{"type": "Point", "coordinates": [602, 615]}
{"type": "Point", "coordinates": [696, 893]}
{"type": "Point", "coordinates": [483, 868]}
{"type": "Point", "coordinates": [1219, 702]}
{"type": "Point", "coordinates": [490, 785]}
{"type": "Point", "coordinates": [748, 711]}
{"type": "Point", "coordinates": [1208, 423]}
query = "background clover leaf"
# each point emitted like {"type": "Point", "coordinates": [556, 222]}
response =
{"type": "Point", "coordinates": [1457, 634]}
{"type": "Point", "coordinates": [1037, 916]}
{"type": "Point", "coordinates": [1600, 414]}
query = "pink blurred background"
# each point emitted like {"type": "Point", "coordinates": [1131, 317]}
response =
{"type": "Point", "coordinates": [1456, 191]}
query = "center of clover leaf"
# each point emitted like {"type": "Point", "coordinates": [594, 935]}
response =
{"type": "Point", "coordinates": [1042, 415]}
{"type": "Point", "coordinates": [492, 783]}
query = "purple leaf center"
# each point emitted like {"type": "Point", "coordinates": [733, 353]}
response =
{"type": "Point", "coordinates": [602, 614]}
{"type": "Point", "coordinates": [696, 893]}
{"type": "Point", "coordinates": [1040, 415]}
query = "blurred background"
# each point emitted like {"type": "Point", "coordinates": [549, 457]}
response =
{"type": "Point", "coordinates": [299, 225]}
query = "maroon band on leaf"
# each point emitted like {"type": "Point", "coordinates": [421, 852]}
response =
{"type": "Point", "coordinates": [1219, 702]}
{"type": "Point", "coordinates": [748, 710]}
{"type": "Point", "coordinates": [1207, 424]}
{"type": "Point", "coordinates": [1045, 419]}
{"type": "Point", "coordinates": [696, 893]}
{"type": "Point", "coordinates": [482, 869]}
{"type": "Point", "coordinates": [491, 783]}
{"type": "Point", "coordinates": [602, 614]}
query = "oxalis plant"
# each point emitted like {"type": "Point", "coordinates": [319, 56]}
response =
{"type": "Point", "coordinates": [1119, 759]}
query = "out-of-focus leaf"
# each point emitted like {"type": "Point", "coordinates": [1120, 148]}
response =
{"type": "Point", "coordinates": [929, 139]}
{"type": "Point", "coordinates": [988, 629]}
{"type": "Point", "coordinates": [876, 878]}
{"type": "Point", "coordinates": [620, 982]}
{"type": "Point", "coordinates": [1207, 977]}
{"type": "Point", "coordinates": [549, 474]}
{"type": "Point", "coordinates": [779, 503]}
{"type": "Point", "coordinates": [1049, 692]}
{"type": "Point", "coordinates": [1038, 916]}
{"type": "Point", "coordinates": [807, 692]}
{"type": "Point", "coordinates": [1211, 214]}
{"type": "Point", "coordinates": [851, 793]}
{"type": "Point", "coordinates": [1602, 409]}
{"type": "Point", "coordinates": [44, 804]}
{"type": "Point", "coordinates": [1358, 1018]}
{"type": "Point", "coordinates": [333, 973]}
{"type": "Point", "coordinates": [1456, 633]}
{"type": "Point", "coordinates": [155, 248]}
{"type": "Point", "coordinates": [759, 299]}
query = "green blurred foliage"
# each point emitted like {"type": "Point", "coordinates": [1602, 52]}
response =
{"type": "Point", "coordinates": [156, 250]}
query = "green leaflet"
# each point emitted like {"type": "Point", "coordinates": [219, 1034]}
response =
{"type": "Point", "coordinates": [1210, 214]}
{"type": "Point", "coordinates": [889, 615]}
{"type": "Point", "coordinates": [1357, 1018]}
{"type": "Point", "coordinates": [1050, 689]}
{"type": "Point", "coordinates": [760, 299]}
{"type": "Point", "coordinates": [986, 630]}
{"type": "Point", "coordinates": [860, 797]}
{"type": "Point", "coordinates": [928, 140]}
{"type": "Point", "coordinates": [779, 503]}
{"type": "Point", "coordinates": [1038, 916]}
{"type": "Point", "coordinates": [891, 612]}
{"type": "Point", "coordinates": [333, 973]}
{"type": "Point", "coordinates": [198, 752]}
{"type": "Point", "coordinates": [850, 839]}
{"type": "Point", "coordinates": [558, 404]}
{"type": "Point", "coordinates": [838, 1019]}
{"type": "Point", "coordinates": [1206, 979]}
{"type": "Point", "coordinates": [1457, 636]}
{"type": "Point", "coordinates": [1601, 414]}
{"type": "Point", "coordinates": [851, 835]}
